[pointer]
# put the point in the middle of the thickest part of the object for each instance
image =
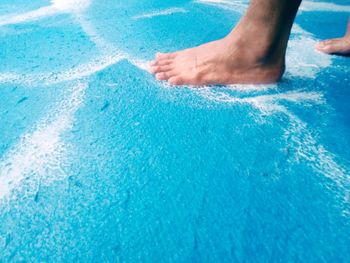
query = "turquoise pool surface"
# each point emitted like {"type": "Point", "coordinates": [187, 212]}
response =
{"type": "Point", "coordinates": [99, 162]}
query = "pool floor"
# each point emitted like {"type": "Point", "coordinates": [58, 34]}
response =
{"type": "Point", "coordinates": [99, 162]}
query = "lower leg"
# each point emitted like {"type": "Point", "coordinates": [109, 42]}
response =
{"type": "Point", "coordinates": [337, 46]}
{"type": "Point", "coordinates": [254, 52]}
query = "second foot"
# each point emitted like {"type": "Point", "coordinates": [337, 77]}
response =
{"type": "Point", "coordinates": [337, 46]}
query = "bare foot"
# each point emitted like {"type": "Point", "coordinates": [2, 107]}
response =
{"type": "Point", "coordinates": [225, 61]}
{"type": "Point", "coordinates": [254, 52]}
{"type": "Point", "coordinates": [337, 46]}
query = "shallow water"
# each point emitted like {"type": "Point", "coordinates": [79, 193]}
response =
{"type": "Point", "coordinates": [100, 162]}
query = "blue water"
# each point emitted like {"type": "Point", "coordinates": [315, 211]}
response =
{"type": "Point", "coordinates": [99, 162]}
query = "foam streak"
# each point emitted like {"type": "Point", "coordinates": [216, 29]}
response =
{"type": "Point", "coordinates": [165, 12]}
{"type": "Point", "coordinates": [323, 6]}
{"type": "Point", "coordinates": [38, 154]}
{"type": "Point", "coordinates": [57, 6]}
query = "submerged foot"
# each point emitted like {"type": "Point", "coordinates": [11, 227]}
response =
{"type": "Point", "coordinates": [226, 61]}
{"type": "Point", "coordinates": [337, 46]}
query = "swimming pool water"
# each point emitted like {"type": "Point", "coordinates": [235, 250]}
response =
{"type": "Point", "coordinates": [99, 162]}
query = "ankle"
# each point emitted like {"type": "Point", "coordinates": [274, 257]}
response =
{"type": "Point", "coordinates": [264, 30]}
{"type": "Point", "coordinates": [258, 44]}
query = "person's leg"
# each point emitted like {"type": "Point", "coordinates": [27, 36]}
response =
{"type": "Point", "coordinates": [337, 46]}
{"type": "Point", "coordinates": [254, 52]}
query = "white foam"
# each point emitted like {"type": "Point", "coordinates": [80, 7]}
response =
{"type": "Point", "coordinates": [8, 77]}
{"type": "Point", "coordinates": [89, 29]}
{"type": "Point", "coordinates": [110, 54]}
{"type": "Point", "coordinates": [298, 134]}
{"type": "Point", "coordinates": [236, 6]}
{"type": "Point", "coordinates": [94, 66]}
{"type": "Point", "coordinates": [323, 6]}
{"type": "Point", "coordinates": [240, 6]}
{"type": "Point", "coordinates": [27, 17]}
{"type": "Point", "coordinates": [247, 88]}
{"type": "Point", "coordinates": [303, 60]}
{"type": "Point", "coordinates": [57, 6]}
{"type": "Point", "coordinates": [108, 48]}
{"type": "Point", "coordinates": [39, 154]}
{"type": "Point", "coordinates": [15, 78]}
{"type": "Point", "coordinates": [84, 70]}
{"type": "Point", "coordinates": [75, 6]}
{"type": "Point", "coordinates": [76, 73]}
{"type": "Point", "coordinates": [267, 102]}
{"type": "Point", "coordinates": [321, 161]}
{"type": "Point", "coordinates": [165, 12]}
{"type": "Point", "coordinates": [141, 64]}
